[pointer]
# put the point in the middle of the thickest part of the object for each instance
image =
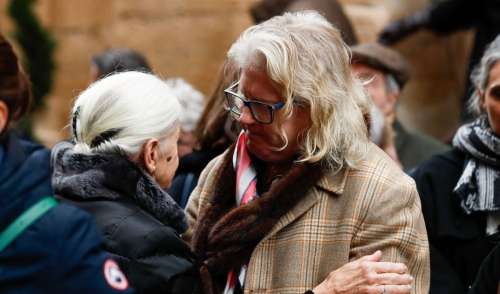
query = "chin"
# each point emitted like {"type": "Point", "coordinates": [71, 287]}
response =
{"type": "Point", "coordinates": [263, 150]}
{"type": "Point", "coordinates": [164, 185]}
{"type": "Point", "coordinates": [267, 155]}
{"type": "Point", "coordinates": [259, 152]}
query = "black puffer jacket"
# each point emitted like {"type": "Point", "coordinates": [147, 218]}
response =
{"type": "Point", "coordinates": [140, 223]}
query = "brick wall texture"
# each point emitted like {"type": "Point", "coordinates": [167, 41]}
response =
{"type": "Point", "coordinates": [189, 38]}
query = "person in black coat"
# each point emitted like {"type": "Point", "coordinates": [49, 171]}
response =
{"type": "Point", "coordinates": [459, 190]}
{"type": "Point", "coordinates": [448, 16]}
{"type": "Point", "coordinates": [124, 153]}
{"type": "Point", "coordinates": [59, 252]}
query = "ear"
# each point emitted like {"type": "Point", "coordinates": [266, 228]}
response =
{"type": "Point", "coordinates": [151, 155]}
{"type": "Point", "coordinates": [4, 116]}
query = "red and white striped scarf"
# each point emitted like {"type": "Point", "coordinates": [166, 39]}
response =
{"type": "Point", "coordinates": [246, 191]}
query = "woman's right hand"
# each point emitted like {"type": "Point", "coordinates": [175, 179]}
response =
{"type": "Point", "coordinates": [367, 275]}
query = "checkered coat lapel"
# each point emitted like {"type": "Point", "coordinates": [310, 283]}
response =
{"type": "Point", "coordinates": [334, 185]}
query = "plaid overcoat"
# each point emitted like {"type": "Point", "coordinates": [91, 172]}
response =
{"type": "Point", "coordinates": [345, 215]}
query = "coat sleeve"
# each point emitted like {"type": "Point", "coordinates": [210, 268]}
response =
{"type": "Point", "coordinates": [160, 273]}
{"type": "Point", "coordinates": [488, 277]}
{"type": "Point", "coordinates": [82, 266]}
{"type": "Point", "coordinates": [154, 260]}
{"type": "Point", "coordinates": [391, 221]}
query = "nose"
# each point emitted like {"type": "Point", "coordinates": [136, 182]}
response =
{"type": "Point", "coordinates": [246, 116]}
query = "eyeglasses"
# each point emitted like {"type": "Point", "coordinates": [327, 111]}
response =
{"type": "Point", "coordinates": [262, 112]}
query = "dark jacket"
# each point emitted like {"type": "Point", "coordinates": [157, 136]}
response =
{"type": "Point", "coordinates": [488, 278]}
{"type": "Point", "coordinates": [414, 148]}
{"type": "Point", "coordinates": [61, 251]}
{"type": "Point", "coordinates": [140, 223]}
{"type": "Point", "coordinates": [186, 176]}
{"type": "Point", "coordinates": [458, 242]}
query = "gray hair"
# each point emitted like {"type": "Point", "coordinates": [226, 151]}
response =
{"type": "Point", "coordinates": [307, 57]}
{"type": "Point", "coordinates": [119, 113]}
{"type": "Point", "coordinates": [481, 74]}
{"type": "Point", "coordinates": [391, 86]}
{"type": "Point", "coordinates": [191, 100]}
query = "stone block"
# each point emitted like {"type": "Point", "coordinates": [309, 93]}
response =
{"type": "Point", "coordinates": [80, 15]}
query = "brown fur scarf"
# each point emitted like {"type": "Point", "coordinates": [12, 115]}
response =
{"type": "Point", "coordinates": [225, 235]}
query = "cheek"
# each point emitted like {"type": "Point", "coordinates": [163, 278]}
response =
{"type": "Point", "coordinates": [380, 101]}
{"type": "Point", "coordinates": [493, 110]}
{"type": "Point", "coordinates": [296, 129]}
{"type": "Point", "coordinates": [175, 165]}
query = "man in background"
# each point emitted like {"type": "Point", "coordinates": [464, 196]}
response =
{"type": "Point", "coordinates": [385, 73]}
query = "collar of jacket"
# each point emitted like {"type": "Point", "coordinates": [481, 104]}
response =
{"type": "Point", "coordinates": [334, 182]}
{"type": "Point", "coordinates": [225, 235]}
{"type": "Point", "coordinates": [93, 177]}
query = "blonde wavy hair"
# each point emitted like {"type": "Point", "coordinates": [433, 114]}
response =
{"type": "Point", "coordinates": [305, 55]}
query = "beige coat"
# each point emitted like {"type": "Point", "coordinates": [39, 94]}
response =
{"type": "Point", "coordinates": [344, 216]}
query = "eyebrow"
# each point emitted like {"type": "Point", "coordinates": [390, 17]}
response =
{"type": "Point", "coordinates": [255, 99]}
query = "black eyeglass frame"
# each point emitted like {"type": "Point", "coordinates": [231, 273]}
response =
{"type": "Point", "coordinates": [248, 103]}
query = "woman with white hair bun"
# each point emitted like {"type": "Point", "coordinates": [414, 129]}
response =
{"type": "Point", "coordinates": [303, 202]}
{"type": "Point", "coordinates": [123, 154]}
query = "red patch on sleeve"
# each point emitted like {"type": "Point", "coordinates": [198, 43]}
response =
{"type": "Point", "coordinates": [114, 275]}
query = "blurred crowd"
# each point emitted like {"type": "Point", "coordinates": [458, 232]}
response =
{"type": "Point", "coordinates": [295, 175]}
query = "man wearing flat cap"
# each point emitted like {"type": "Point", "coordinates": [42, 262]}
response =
{"type": "Point", "coordinates": [385, 72]}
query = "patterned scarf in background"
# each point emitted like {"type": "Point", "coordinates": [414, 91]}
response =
{"type": "Point", "coordinates": [246, 191]}
{"type": "Point", "coordinates": [479, 186]}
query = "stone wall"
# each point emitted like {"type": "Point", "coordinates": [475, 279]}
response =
{"type": "Point", "coordinates": [188, 38]}
{"type": "Point", "coordinates": [430, 101]}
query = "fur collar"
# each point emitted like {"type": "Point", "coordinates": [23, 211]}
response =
{"type": "Point", "coordinates": [225, 235]}
{"type": "Point", "coordinates": [91, 177]}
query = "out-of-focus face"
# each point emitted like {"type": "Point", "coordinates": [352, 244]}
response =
{"type": "Point", "coordinates": [168, 160]}
{"type": "Point", "coordinates": [376, 88]}
{"type": "Point", "coordinates": [264, 139]}
{"type": "Point", "coordinates": [490, 99]}
{"type": "Point", "coordinates": [4, 115]}
{"type": "Point", "coordinates": [187, 142]}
